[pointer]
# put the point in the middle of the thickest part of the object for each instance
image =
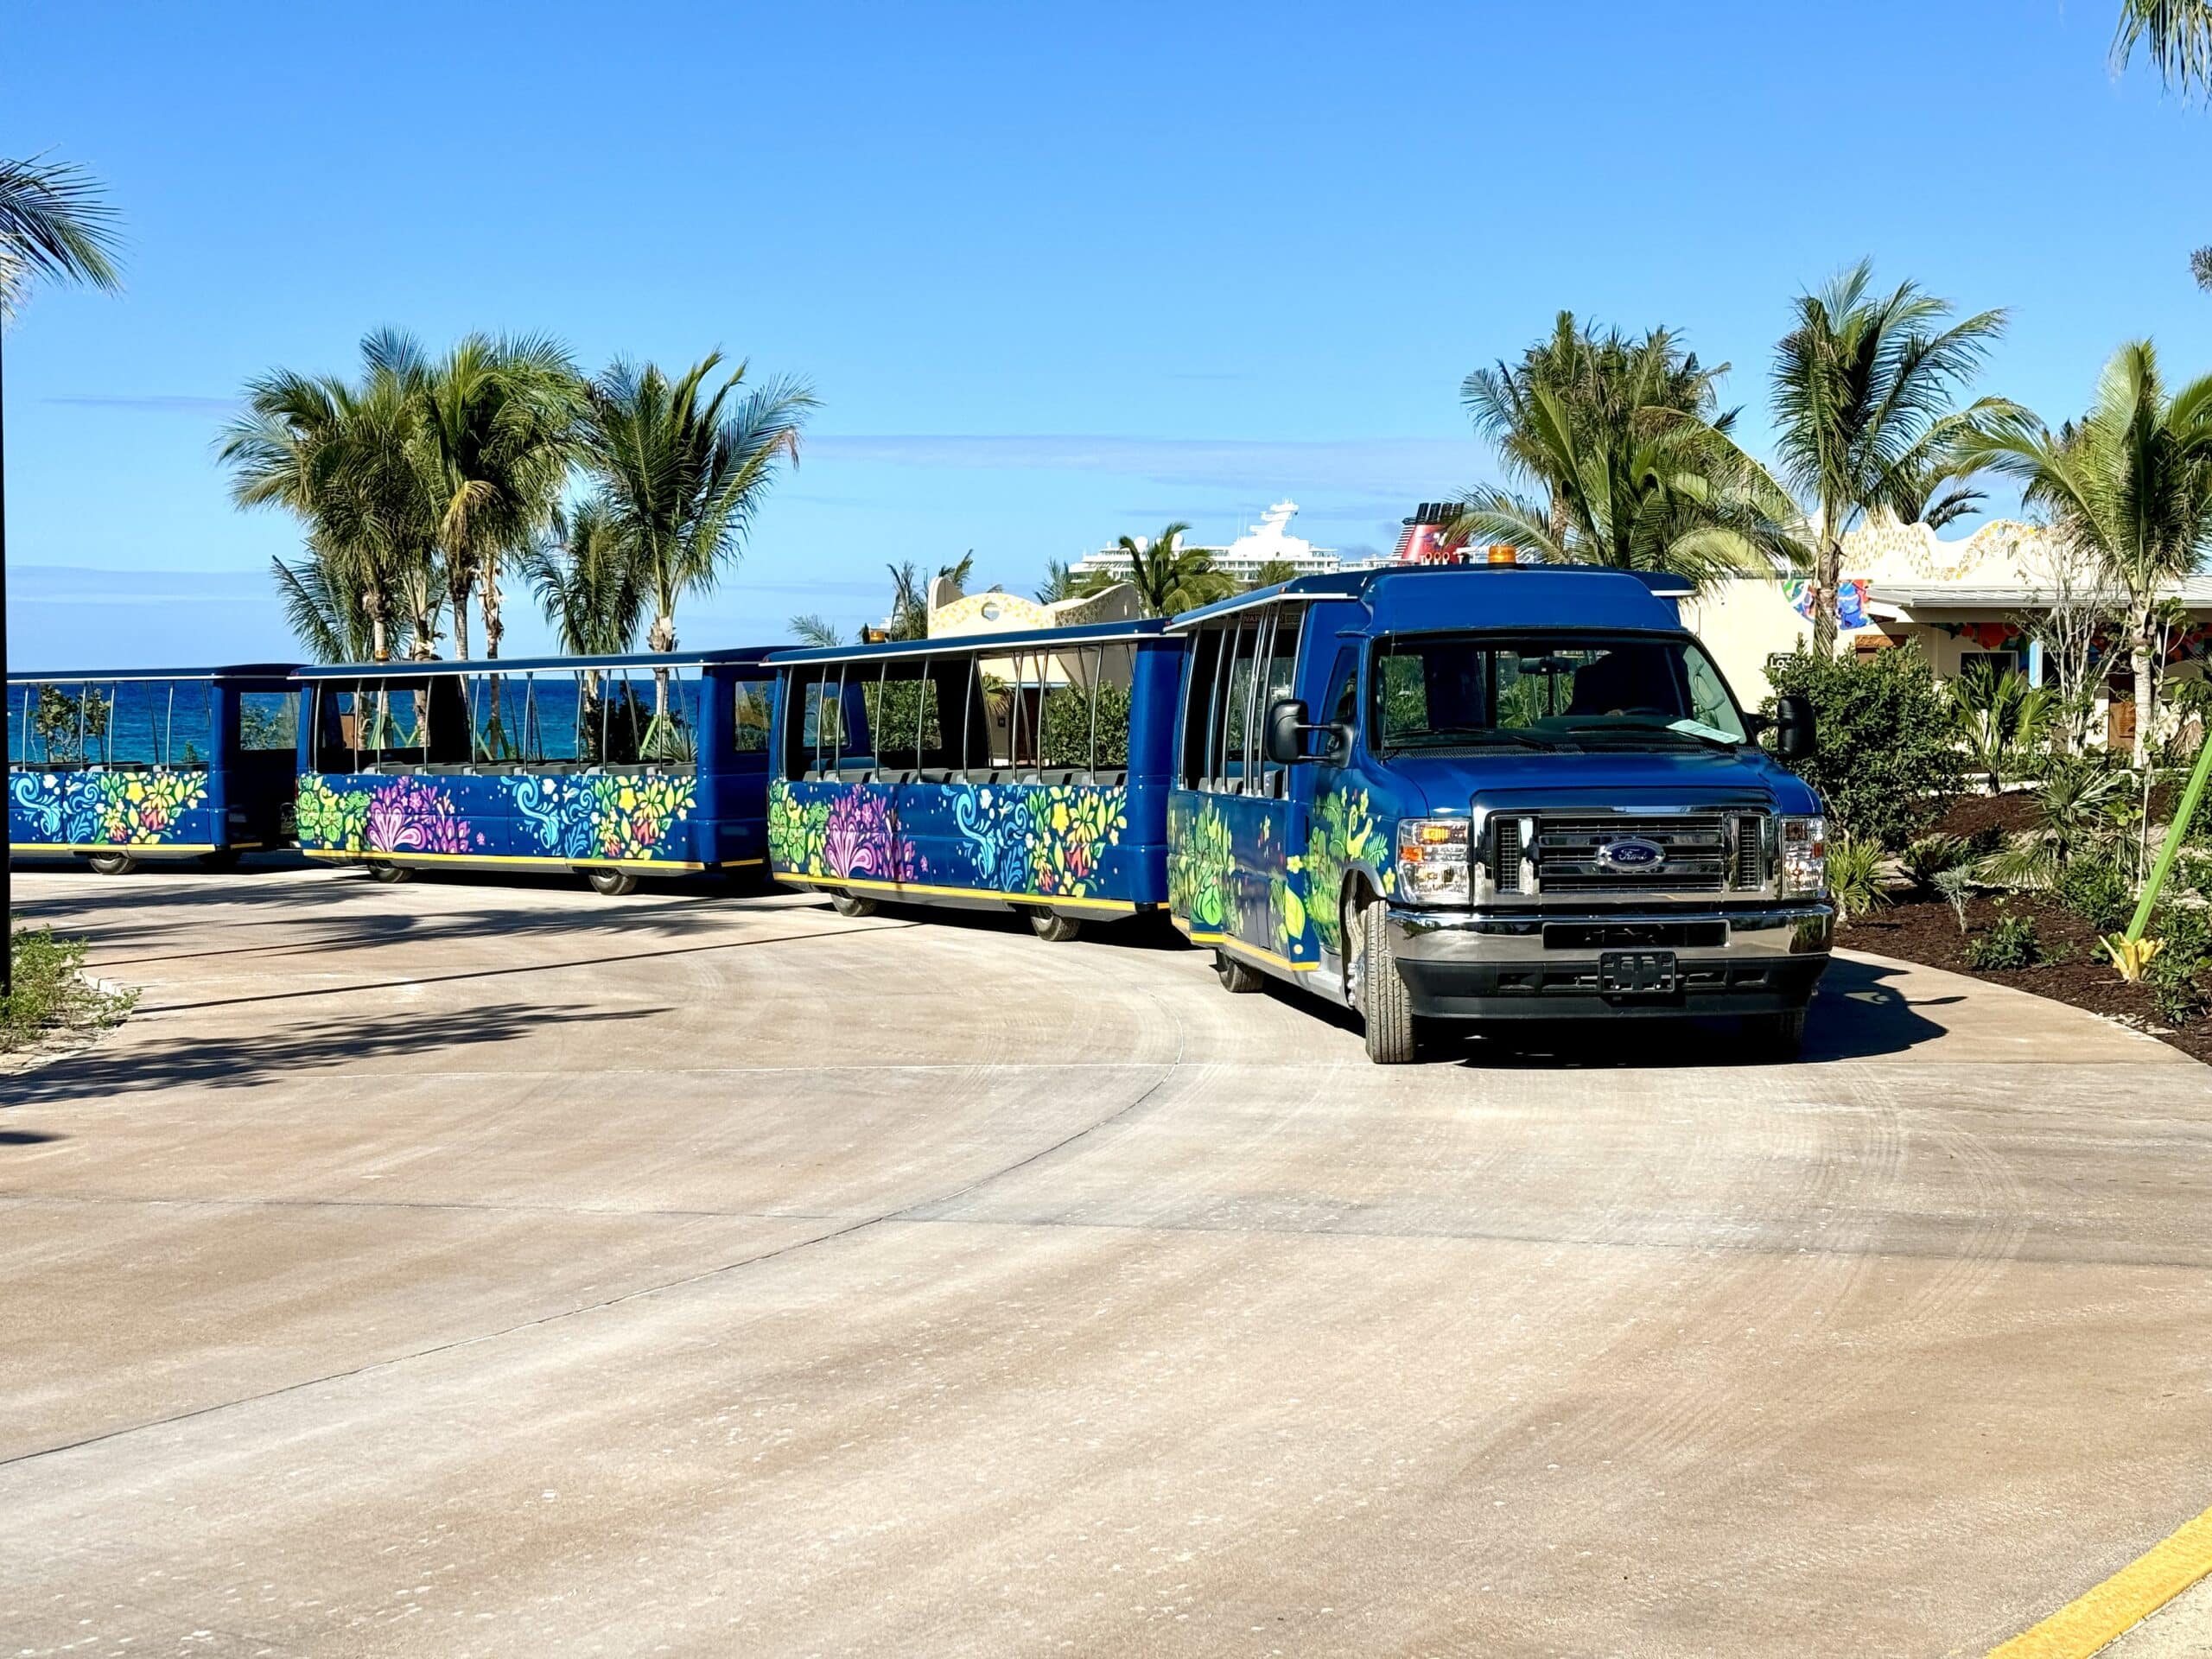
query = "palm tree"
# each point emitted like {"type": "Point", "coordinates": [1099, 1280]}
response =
{"type": "Point", "coordinates": [684, 469]}
{"type": "Point", "coordinates": [1170, 577]}
{"type": "Point", "coordinates": [2177, 33]}
{"type": "Point", "coordinates": [814, 629]}
{"type": "Point", "coordinates": [2130, 482]}
{"type": "Point", "coordinates": [1635, 459]}
{"type": "Point", "coordinates": [496, 438]}
{"type": "Point", "coordinates": [1863, 390]}
{"type": "Point", "coordinates": [55, 226]}
{"type": "Point", "coordinates": [587, 581]}
{"type": "Point", "coordinates": [910, 595]}
{"type": "Point", "coordinates": [345, 460]}
{"type": "Point", "coordinates": [1060, 583]}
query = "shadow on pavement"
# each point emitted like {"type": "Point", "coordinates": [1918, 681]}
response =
{"type": "Point", "coordinates": [247, 1058]}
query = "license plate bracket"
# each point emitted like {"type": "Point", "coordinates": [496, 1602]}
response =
{"type": "Point", "coordinates": [1635, 973]}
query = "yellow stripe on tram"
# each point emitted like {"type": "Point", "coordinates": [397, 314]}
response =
{"type": "Point", "coordinates": [901, 888]}
{"type": "Point", "coordinates": [1229, 941]}
{"type": "Point", "coordinates": [365, 854]}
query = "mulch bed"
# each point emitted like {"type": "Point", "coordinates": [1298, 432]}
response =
{"type": "Point", "coordinates": [1927, 931]}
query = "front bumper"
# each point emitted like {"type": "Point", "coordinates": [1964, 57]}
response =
{"type": "Point", "coordinates": [1541, 965]}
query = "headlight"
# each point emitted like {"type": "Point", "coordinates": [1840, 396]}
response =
{"type": "Point", "coordinates": [1432, 860]}
{"type": "Point", "coordinates": [1804, 855]}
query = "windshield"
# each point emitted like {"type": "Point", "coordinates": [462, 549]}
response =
{"type": "Point", "coordinates": [1549, 691]}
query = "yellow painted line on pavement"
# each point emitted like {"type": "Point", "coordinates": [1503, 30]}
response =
{"type": "Point", "coordinates": [2122, 1601]}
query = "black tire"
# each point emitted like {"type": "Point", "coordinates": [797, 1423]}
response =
{"type": "Point", "coordinates": [612, 883]}
{"type": "Point", "coordinates": [1777, 1037]}
{"type": "Point", "coordinates": [112, 864]}
{"type": "Point", "coordinates": [852, 904]}
{"type": "Point", "coordinates": [390, 873]}
{"type": "Point", "coordinates": [1053, 930]}
{"type": "Point", "coordinates": [1380, 991]}
{"type": "Point", "coordinates": [1240, 977]}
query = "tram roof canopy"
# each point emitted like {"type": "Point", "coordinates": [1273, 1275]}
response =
{"type": "Point", "coordinates": [744, 656]}
{"type": "Point", "coordinates": [1512, 595]}
{"type": "Point", "coordinates": [276, 671]}
{"type": "Point", "coordinates": [982, 644]}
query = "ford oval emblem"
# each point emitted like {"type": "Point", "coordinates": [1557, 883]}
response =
{"type": "Point", "coordinates": [1630, 853]}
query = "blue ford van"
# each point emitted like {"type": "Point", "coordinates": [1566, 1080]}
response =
{"type": "Point", "coordinates": [1490, 792]}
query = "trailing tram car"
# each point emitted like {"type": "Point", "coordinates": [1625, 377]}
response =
{"type": "Point", "coordinates": [120, 766]}
{"type": "Point", "coordinates": [616, 767]}
{"type": "Point", "coordinates": [1023, 770]}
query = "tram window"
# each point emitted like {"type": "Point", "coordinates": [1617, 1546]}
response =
{"type": "Point", "coordinates": [67, 724]}
{"type": "Point", "coordinates": [268, 720]}
{"type": "Point", "coordinates": [1231, 759]}
{"type": "Point", "coordinates": [1063, 717]}
{"type": "Point", "coordinates": [1276, 684]}
{"type": "Point", "coordinates": [495, 719]}
{"type": "Point", "coordinates": [1111, 686]}
{"type": "Point", "coordinates": [900, 703]}
{"type": "Point", "coordinates": [751, 730]}
{"type": "Point", "coordinates": [1198, 706]}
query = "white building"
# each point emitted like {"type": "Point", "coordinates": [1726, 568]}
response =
{"type": "Point", "coordinates": [1270, 541]}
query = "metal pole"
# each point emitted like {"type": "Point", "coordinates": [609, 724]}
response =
{"type": "Point", "coordinates": [7, 892]}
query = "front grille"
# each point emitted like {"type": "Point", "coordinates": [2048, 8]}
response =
{"type": "Point", "coordinates": [1696, 854]}
{"type": "Point", "coordinates": [1751, 852]}
{"type": "Point", "coordinates": [1508, 862]}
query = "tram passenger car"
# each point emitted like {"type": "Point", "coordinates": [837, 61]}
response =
{"type": "Point", "coordinates": [617, 766]}
{"type": "Point", "coordinates": [121, 766]}
{"type": "Point", "coordinates": [1026, 771]}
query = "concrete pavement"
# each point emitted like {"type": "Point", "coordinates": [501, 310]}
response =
{"type": "Point", "coordinates": [481, 1268]}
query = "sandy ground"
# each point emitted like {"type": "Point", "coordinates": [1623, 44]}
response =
{"type": "Point", "coordinates": [474, 1268]}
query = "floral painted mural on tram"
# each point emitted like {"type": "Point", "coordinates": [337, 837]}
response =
{"type": "Point", "coordinates": [615, 766]}
{"type": "Point", "coordinates": [149, 764]}
{"type": "Point", "coordinates": [1019, 769]}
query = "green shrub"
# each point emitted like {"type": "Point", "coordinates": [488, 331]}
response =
{"type": "Point", "coordinates": [1931, 856]}
{"type": "Point", "coordinates": [1888, 763]}
{"type": "Point", "coordinates": [1953, 887]}
{"type": "Point", "coordinates": [2180, 976]}
{"type": "Point", "coordinates": [1855, 878]}
{"type": "Point", "coordinates": [51, 993]}
{"type": "Point", "coordinates": [2009, 942]}
{"type": "Point", "coordinates": [2095, 890]}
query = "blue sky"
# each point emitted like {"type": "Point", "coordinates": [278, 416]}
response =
{"type": "Point", "coordinates": [1056, 273]}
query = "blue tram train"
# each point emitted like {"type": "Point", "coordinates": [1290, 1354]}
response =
{"type": "Point", "coordinates": [1026, 771]}
{"type": "Point", "coordinates": [614, 766]}
{"type": "Point", "coordinates": [117, 766]}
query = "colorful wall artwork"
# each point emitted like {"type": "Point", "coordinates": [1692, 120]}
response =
{"type": "Point", "coordinates": [157, 806]}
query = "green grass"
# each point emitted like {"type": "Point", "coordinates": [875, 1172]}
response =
{"type": "Point", "coordinates": [52, 994]}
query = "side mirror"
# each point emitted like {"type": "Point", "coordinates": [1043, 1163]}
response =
{"type": "Point", "coordinates": [1794, 734]}
{"type": "Point", "coordinates": [1285, 735]}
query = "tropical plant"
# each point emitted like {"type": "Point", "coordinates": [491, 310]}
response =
{"type": "Point", "coordinates": [494, 440]}
{"type": "Point", "coordinates": [1999, 716]}
{"type": "Point", "coordinates": [1954, 886]}
{"type": "Point", "coordinates": [1170, 577]}
{"type": "Point", "coordinates": [1060, 583]}
{"type": "Point", "coordinates": [2082, 802]}
{"type": "Point", "coordinates": [1888, 764]}
{"type": "Point", "coordinates": [55, 226]}
{"type": "Point", "coordinates": [2175, 34]}
{"type": "Point", "coordinates": [684, 466]}
{"type": "Point", "coordinates": [910, 595]}
{"type": "Point", "coordinates": [1271, 573]}
{"type": "Point", "coordinates": [2012, 943]}
{"type": "Point", "coordinates": [1855, 882]}
{"type": "Point", "coordinates": [1633, 455]}
{"type": "Point", "coordinates": [1928, 859]}
{"type": "Point", "coordinates": [2131, 482]}
{"type": "Point", "coordinates": [813, 629]}
{"type": "Point", "coordinates": [2098, 891]}
{"type": "Point", "coordinates": [46, 990]}
{"type": "Point", "coordinates": [1864, 387]}
{"type": "Point", "coordinates": [345, 460]}
{"type": "Point", "coordinates": [585, 581]}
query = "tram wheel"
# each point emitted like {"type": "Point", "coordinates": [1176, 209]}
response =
{"type": "Point", "coordinates": [1379, 990]}
{"type": "Point", "coordinates": [389, 872]}
{"type": "Point", "coordinates": [1054, 930]}
{"type": "Point", "coordinates": [112, 864]}
{"type": "Point", "coordinates": [852, 904]}
{"type": "Point", "coordinates": [612, 883]}
{"type": "Point", "coordinates": [1238, 976]}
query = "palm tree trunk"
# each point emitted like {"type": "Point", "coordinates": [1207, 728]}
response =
{"type": "Point", "coordinates": [1827, 576]}
{"type": "Point", "coordinates": [2146, 694]}
{"type": "Point", "coordinates": [458, 594]}
{"type": "Point", "coordinates": [372, 603]}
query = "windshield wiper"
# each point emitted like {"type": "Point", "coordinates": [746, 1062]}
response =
{"type": "Point", "coordinates": [1657, 727]}
{"type": "Point", "coordinates": [1465, 734]}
